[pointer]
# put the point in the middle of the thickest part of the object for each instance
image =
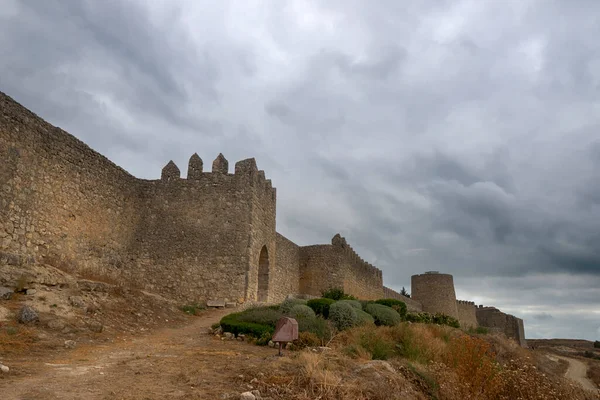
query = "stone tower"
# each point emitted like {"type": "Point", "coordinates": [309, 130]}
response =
{"type": "Point", "coordinates": [435, 292]}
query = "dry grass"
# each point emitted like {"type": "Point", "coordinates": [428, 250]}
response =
{"type": "Point", "coordinates": [16, 338]}
{"type": "Point", "coordinates": [333, 376]}
{"type": "Point", "coordinates": [594, 372]}
{"type": "Point", "coordinates": [422, 361]}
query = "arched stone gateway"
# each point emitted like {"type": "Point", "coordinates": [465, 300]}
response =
{"type": "Point", "coordinates": [263, 275]}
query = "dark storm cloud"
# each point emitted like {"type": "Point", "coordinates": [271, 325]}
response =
{"type": "Point", "coordinates": [459, 136]}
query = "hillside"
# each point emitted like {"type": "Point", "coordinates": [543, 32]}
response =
{"type": "Point", "coordinates": [148, 348]}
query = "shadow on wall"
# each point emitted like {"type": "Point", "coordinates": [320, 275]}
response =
{"type": "Point", "coordinates": [263, 275]}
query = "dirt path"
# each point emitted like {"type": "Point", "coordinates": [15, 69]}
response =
{"type": "Point", "coordinates": [577, 372]}
{"type": "Point", "coordinates": [185, 362]}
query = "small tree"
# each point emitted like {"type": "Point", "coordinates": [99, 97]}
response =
{"type": "Point", "coordinates": [404, 293]}
{"type": "Point", "coordinates": [597, 344]}
{"type": "Point", "coordinates": [337, 294]}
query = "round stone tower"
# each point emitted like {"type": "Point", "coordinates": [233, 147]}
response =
{"type": "Point", "coordinates": [435, 292]}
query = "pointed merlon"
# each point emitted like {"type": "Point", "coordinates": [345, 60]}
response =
{"type": "Point", "coordinates": [170, 172]}
{"type": "Point", "coordinates": [246, 167]}
{"type": "Point", "coordinates": [337, 240]}
{"type": "Point", "coordinates": [220, 165]}
{"type": "Point", "coordinates": [195, 167]}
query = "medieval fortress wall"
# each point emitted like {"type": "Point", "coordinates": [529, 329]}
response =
{"type": "Point", "coordinates": [208, 236]}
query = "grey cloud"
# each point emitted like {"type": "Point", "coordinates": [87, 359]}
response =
{"type": "Point", "coordinates": [434, 135]}
{"type": "Point", "coordinates": [543, 316]}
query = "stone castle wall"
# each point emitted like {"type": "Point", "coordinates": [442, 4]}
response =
{"type": "Point", "coordinates": [61, 202]}
{"type": "Point", "coordinates": [495, 319]}
{"type": "Point", "coordinates": [467, 314]}
{"type": "Point", "coordinates": [197, 235]}
{"type": "Point", "coordinates": [435, 292]}
{"type": "Point", "coordinates": [209, 236]}
{"type": "Point", "coordinates": [320, 269]}
{"type": "Point", "coordinates": [411, 305]}
{"type": "Point", "coordinates": [286, 275]}
{"type": "Point", "coordinates": [66, 205]}
{"type": "Point", "coordinates": [338, 266]}
{"type": "Point", "coordinates": [361, 279]}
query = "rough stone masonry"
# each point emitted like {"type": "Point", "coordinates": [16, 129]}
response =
{"type": "Point", "coordinates": [208, 237]}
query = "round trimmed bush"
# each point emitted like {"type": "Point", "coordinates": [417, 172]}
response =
{"type": "Point", "coordinates": [232, 323]}
{"type": "Point", "coordinates": [342, 315]}
{"type": "Point", "coordinates": [300, 311]}
{"type": "Point", "coordinates": [364, 318]}
{"type": "Point", "coordinates": [315, 325]}
{"type": "Point", "coordinates": [261, 315]}
{"type": "Point", "coordinates": [354, 303]}
{"type": "Point", "coordinates": [397, 305]}
{"type": "Point", "coordinates": [383, 315]}
{"type": "Point", "coordinates": [320, 306]}
{"type": "Point", "coordinates": [287, 304]}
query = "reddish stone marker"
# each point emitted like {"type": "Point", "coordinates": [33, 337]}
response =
{"type": "Point", "coordinates": [286, 330]}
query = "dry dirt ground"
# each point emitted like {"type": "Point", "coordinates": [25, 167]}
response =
{"type": "Point", "coordinates": [577, 372]}
{"type": "Point", "coordinates": [170, 363]}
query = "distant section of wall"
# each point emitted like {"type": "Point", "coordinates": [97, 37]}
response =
{"type": "Point", "coordinates": [338, 266]}
{"type": "Point", "coordinates": [411, 305]}
{"type": "Point", "coordinates": [320, 269]}
{"type": "Point", "coordinates": [361, 279]}
{"type": "Point", "coordinates": [286, 274]}
{"type": "Point", "coordinates": [511, 326]}
{"type": "Point", "coordinates": [466, 314]}
{"type": "Point", "coordinates": [435, 292]}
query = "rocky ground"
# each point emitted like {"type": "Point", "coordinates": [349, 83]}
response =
{"type": "Point", "coordinates": [71, 337]}
{"type": "Point", "coordinates": [65, 337]}
{"type": "Point", "coordinates": [181, 361]}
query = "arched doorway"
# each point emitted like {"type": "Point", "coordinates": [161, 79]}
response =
{"type": "Point", "coordinates": [263, 275]}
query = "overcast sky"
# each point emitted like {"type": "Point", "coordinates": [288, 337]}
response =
{"type": "Point", "coordinates": [459, 136]}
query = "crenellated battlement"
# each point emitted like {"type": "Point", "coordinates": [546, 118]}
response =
{"type": "Point", "coordinates": [245, 170]}
{"type": "Point", "coordinates": [340, 242]}
{"type": "Point", "coordinates": [465, 302]}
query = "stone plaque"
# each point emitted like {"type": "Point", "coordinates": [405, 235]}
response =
{"type": "Point", "coordinates": [286, 330]}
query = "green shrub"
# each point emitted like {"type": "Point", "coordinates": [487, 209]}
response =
{"type": "Point", "coordinates": [321, 306]}
{"type": "Point", "coordinates": [383, 315]}
{"type": "Point", "coordinates": [597, 344]}
{"type": "Point", "coordinates": [364, 303]}
{"type": "Point", "coordinates": [480, 330]}
{"type": "Point", "coordinates": [337, 294]}
{"type": "Point", "coordinates": [442, 319]}
{"type": "Point", "coordinates": [354, 303]}
{"type": "Point", "coordinates": [306, 339]}
{"type": "Point", "coordinates": [380, 347]}
{"type": "Point", "coordinates": [342, 315]}
{"type": "Point", "coordinates": [287, 304]}
{"type": "Point", "coordinates": [317, 326]}
{"type": "Point", "coordinates": [364, 318]}
{"type": "Point", "coordinates": [264, 339]}
{"type": "Point", "coordinates": [300, 311]}
{"type": "Point", "coordinates": [261, 315]}
{"type": "Point", "coordinates": [427, 318]}
{"type": "Point", "coordinates": [232, 323]}
{"type": "Point", "coordinates": [397, 305]}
